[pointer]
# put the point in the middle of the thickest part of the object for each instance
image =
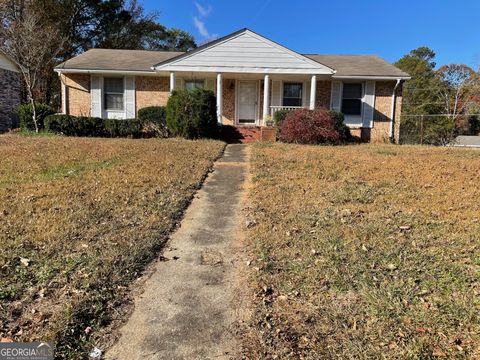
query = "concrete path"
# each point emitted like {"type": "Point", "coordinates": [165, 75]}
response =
{"type": "Point", "coordinates": [185, 311]}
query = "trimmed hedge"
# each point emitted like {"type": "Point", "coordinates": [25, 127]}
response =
{"type": "Point", "coordinates": [154, 114]}
{"type": "Point", "coordinates": [192, 114]}
{"type": "Point", "coordinates": [309, 127]}
{"type": "Point", "coordinates": [154, 121]}
{"type": "Point", "coordinates": [25, 115]}
{"type": "Point", "coordinates": [89, 126]}
{"type": "Point", "coordinates": [123, 128]}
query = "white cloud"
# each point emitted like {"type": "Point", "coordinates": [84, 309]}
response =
{"type": "Point", "coordinates": [200, 25]}
{"type": "Point", "coordinates": [199, 20]}
{"type": "Point", "coordinates": [202, 10]}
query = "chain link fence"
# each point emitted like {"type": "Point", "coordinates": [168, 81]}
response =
{"type": "Point", "coordinates": [437, 129]}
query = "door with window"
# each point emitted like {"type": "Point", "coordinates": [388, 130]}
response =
{"type": "Point", "coordinates": [247, 102]}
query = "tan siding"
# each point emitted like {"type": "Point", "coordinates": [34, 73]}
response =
{"type": "Point", "coordinates": [78, 90]}
{"type": "Point", "coordinates": [151, 91]}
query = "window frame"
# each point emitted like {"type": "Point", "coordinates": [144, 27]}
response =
{"type": "Point", "coordinates": [302, 90]}
{"type": "Point", "coordinates": [361, 98]}
{"type": "Point", "coordinates": [196, 81]}
{"type": "Point", "coordinates": [105, 93]}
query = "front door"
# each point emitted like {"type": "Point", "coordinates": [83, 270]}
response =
{"type": "Point", "coordinates": [247, 102]}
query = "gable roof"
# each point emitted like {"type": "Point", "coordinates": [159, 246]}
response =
{"type": "Point", "coordinates": [117, 60]}
{"type": "Point", "coordinates": [359, 65]}
{"type": "Point", "coordinates": [251, 48]}
{"type": "Point", "coordinates": [244, 51]}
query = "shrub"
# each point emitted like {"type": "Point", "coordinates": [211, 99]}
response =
{"type": "Point", "coordinates": [74, 126]}
{"type": "Point", "coordinates": [279, 116]}
{"type": "Point", "coordinates": [192, 114]}
{"type": "Point", "coordinates": [25, 115]}
{"type": "Point", "coordinates": [339, 124]}
{"type": "Point", "coordinates": [123, 128]}
{"type": "Point", "coordinates": [309, 127]}
{"type": "Point", "coordinates": [153, 120]}
{"type": "Point", "coordinates": [154, 114]}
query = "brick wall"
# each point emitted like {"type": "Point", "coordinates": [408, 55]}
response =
{"type": "Point", "coordinates": [10, 98]}
{"type": "Point", "coordinates": [78, 94]}
{"type": "Point", "coordinates": [151, 91]}
{"type": "Point", "coordinates": [228, 109]}
{"type": "Point", "coordinates": [383, 110]}
{"type": "Point", "coordinates": [324, 90]}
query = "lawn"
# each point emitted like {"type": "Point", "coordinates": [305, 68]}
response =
{"type": "Point", "coordinates": [80, 218]}
{"type": "Point", "coordinates": [364, 252]}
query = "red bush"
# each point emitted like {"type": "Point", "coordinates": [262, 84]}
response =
{"type": "Point", "coordinates": [309, 127]}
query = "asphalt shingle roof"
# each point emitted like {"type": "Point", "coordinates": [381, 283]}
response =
{"type": "Point", "coordinates": [143, 60]}
{"type": "Point", "coordinates": [358, 65]}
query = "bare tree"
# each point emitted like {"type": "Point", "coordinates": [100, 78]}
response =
{"type": "Point", "coordinates": [29, 43]}
{"type": "Point", "coordinates": [461, 83]}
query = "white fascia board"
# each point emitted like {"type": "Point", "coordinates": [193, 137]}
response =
{"type": "Point", "coordinates": [345, 77]}
{"type": "Point", "coordinates": [111, 72]}
{"type": "Point", "coordinates": [247, 70]}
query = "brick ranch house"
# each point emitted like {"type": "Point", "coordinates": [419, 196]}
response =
{"type": "Point", "coordinates": [251, 76]}
{"type": "Point", "coordinates": [10, 93]}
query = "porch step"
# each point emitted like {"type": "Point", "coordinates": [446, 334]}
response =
{"type": "Point", "coordinates": [241, 134]}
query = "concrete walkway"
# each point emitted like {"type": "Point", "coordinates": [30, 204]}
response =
{"type": "Point", "coordinates": [185, 311]}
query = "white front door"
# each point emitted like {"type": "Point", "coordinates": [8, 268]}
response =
{"type": "Point", "coordinates": [247, 102]}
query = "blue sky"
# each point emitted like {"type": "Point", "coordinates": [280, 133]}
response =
{"type": "Point", "coordinates": [389, 29]}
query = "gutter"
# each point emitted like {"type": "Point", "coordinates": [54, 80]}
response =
{"type": "Point", "coordinates": [392, 122]}
{"type": "Point", "coordinates": [370, 77]}
{"type": "Point", "coordinates": [122, 72]}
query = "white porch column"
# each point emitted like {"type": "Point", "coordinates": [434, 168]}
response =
{"type": "Point", "coordinates": [266, 97]}
{"type": "Point", "coordinates": [64, 97]}
{"type": "Point", "coordinates": [313, 92]}
{"type": "Point", "coordinates": [219, 98]}
{"type": "Point", "coordinates": [172, 81]}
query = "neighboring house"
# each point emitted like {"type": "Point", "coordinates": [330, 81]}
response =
{"type": "Point", "coordinates": [251, 76]}
{"type": "Point", "coordinates": [10, 93]}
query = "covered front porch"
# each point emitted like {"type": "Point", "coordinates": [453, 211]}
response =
{"type": "Point", "coordinates": [249, 99]}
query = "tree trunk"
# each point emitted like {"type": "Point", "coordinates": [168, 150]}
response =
{"type": "Point", "coordinates": [34, 111]}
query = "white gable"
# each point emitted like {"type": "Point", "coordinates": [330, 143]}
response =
{"type": "Point", "coordinates": [245, 52]}
{"type": "Point", "coordinates": [7, 64]}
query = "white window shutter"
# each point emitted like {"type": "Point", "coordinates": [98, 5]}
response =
{"type": "Point", "coordinates": [369, 104]}
{"type": "Point", "coordinates": [276, 101]}
{"type": "Point", "coordinates": [96, 84]}
{"type": "Point", "coordinates": [336, 97]}
{"type": "Point", "coordinates": [210, 84]}
{"type": "Point", "coordinates": [130, 112]}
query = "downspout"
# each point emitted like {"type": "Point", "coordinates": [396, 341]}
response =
{"type": "Point", "coordinates": [392, 122]}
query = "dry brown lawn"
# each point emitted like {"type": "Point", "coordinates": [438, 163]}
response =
{"type": "Point", "coordinates": [364, 252]}
{"type": "Point", "coordinates": [80, 218]}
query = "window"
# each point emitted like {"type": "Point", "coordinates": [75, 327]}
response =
{"type": "Point", "coordinates": [194, 84]}
{"type": "Point", "coordinates": [113, 90]}
{"type": "Point", "coordinates": [352, 99]}
{"type": "Point", "coordinates": [292, 94]}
